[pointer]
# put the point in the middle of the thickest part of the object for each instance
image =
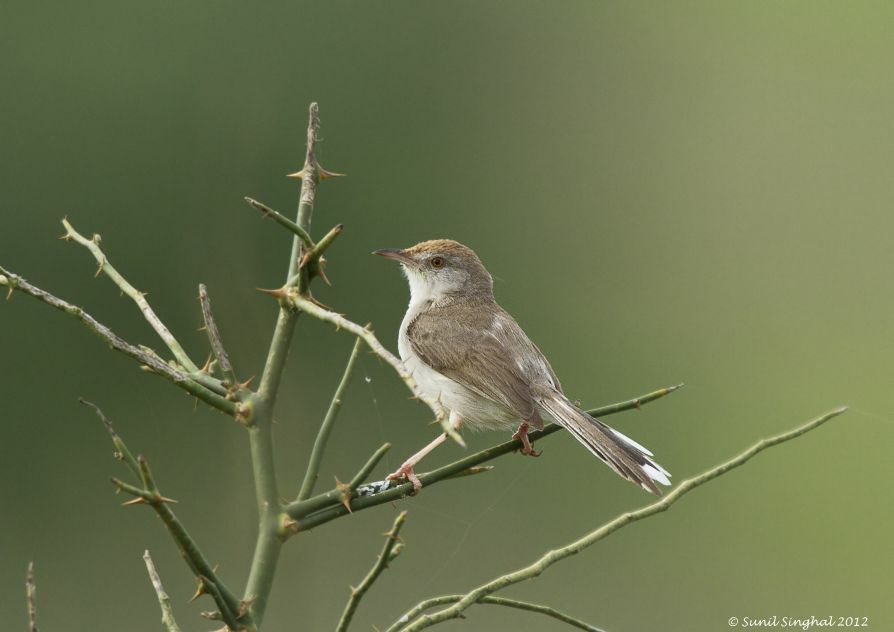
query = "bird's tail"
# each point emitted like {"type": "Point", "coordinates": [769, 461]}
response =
{"type": "Point", "coordinates": [621, 453]}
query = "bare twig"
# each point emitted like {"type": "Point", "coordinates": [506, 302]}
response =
{"type": "Point", "coordinates": [282, 220]}
{"type": "Point", "coordinates": [306, 305]}
{"type": "Point", "coordinates": [388, 553]}
{"type": "Point", "coordinates": [147, 358]}
{"type": "Point", "coordinates": [316, 510]}
{"type": "Point", "coordinates": [214, 339]}
{"type": "Point", "coordinates": [164, 602]}
{"type": "Point", "coordinates": [31, 595]}
{"type": "Point", "coordinates": [496, 601]}
{"type": "Point", "coordinates": [316, 455]}
{"type": "Point", "coordinates": [556, 555]}
{"type": "Point", "coordinates": [138, 297]}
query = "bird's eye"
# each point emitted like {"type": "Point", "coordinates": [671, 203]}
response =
{"type": "Point", "coordinates": [437, 262]}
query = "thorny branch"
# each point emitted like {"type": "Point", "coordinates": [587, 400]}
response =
{"type": "Point", "coordinates": [145, 356]}
{"type": "Point", "coordinates": [148, 494]}
{"type": "Point", "coordinates": [138, 297]}
{"type": "Point", "coordinates": [320, 509]}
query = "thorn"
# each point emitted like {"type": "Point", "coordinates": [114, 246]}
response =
{"type": "Point", "coordinates": [277, 293]}
{"type": "Point", "coordinates": [211, 615]}
{"type": "Point", "coordinates": [325, 175]}
{"type": "Point", "coordinates": [241, 385]}
{"type": "Point", "coordinates": [164, 499]}
{"type": "Point", "coordinates": [324, 306]}
{"type": "Point", "coordinates": [298, 175]}
{"type": "Point", "coordinates": [139, 500]}
{"type": "Point", "coordinates": [9, 292]}
{"type": "Point", "coordinates": [200, 590]}
{"type": "Point", "coordinates": [206, 368]}
{"type": "Point", "coordinates": [290, 525]}
{"type": "Point", "coordinates": [99, 269]}
{"type": "Point", "coordinates": [321, 271]}
{"type": "Point", "coordinates": [345, 491]}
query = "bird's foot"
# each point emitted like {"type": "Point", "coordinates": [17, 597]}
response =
{"type": "Point", "coordinates": [527, 447]}
{"type": "Point", "coordinates": [406, 471]}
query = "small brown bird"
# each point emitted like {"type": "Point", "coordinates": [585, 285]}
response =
{"type": "Point", "coordinates": [467, 352]}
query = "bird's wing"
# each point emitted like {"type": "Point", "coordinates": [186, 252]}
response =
{"type": "Point", "coordinates": [484, 350]}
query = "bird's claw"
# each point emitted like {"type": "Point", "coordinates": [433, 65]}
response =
{"type": "Point", "coordinates": [527, 447]}
{"type": "Point", "coordinates": [406, 471]}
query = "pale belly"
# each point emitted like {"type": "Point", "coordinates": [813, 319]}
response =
{"type": "Point", "coordinates": [477, 413]}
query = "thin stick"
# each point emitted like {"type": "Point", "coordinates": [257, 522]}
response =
{"type": "Point", "coordinates": [497, 601]}
{"type": "Point", "coordinates": [388, 553]}
{"type": "Point", "coordinates": [607, 529]}
{"type": "Point", "coordinates": [306, 305]}
{"type": "Point", "coordinates": [147, 358]}
{"type": "Point", "coordinates": [164, 602]}
{"type": "Point", "coordinates": [31, 594]}
{"type": "Point", "coordinates": [316, 455]}
{"type": "Point", "coordinates": [138, 297]}
{"type": "Point", "coordinates": [284, 221]}
{"type": "Point", "coordinates": [214, 339]}
{"type": "Point", "coordinates": [314, 512]}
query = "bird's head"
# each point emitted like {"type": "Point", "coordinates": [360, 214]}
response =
{"type": "Point", "coordinates": [440, 268]}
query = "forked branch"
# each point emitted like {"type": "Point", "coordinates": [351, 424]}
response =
{"type": "Point", "coordinates": [138, 297]}
{"type": "Point", "coordinates": [148, 494]}
{"type": "Point", "coordinates": [145, 356]}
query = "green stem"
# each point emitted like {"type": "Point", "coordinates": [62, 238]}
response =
{"type": "Point", "coordinates": [284, 221]}
{"type": "Point", "coordinates": [556, 555]}
{"type": "Point", "coordinates": [316, 455]}
{"type": "Point", "coordinates": [269, 539]}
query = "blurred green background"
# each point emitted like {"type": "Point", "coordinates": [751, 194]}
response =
{"type": "Point", "coordinates": [665, 192]}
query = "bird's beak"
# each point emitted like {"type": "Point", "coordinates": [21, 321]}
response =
{"type": "Point", "coordinates": [397, 254]}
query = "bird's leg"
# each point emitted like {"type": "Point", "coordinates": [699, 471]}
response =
{"type": "Point", "coordinates": [527, 446]}
{"type": "Point", "coordinates": [407, 469]}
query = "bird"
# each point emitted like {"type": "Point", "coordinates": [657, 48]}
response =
{"type": "Point", "coordinates": [466, 352]}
